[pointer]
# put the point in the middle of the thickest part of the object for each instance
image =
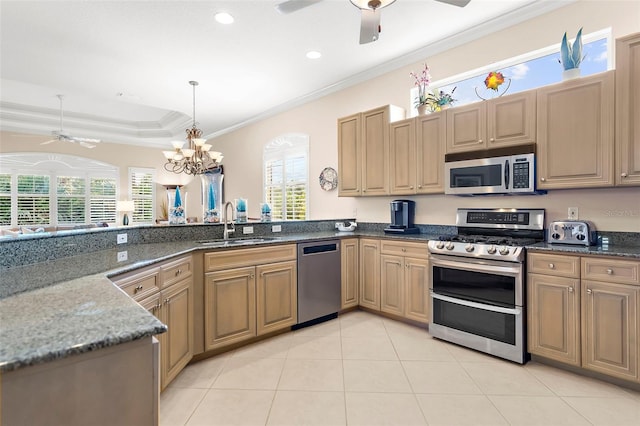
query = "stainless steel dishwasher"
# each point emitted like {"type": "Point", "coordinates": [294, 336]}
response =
{"type": "Point", "coordinates": [318, 281]}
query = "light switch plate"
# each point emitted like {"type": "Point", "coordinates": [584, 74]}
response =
{"type": "Point", "coordinates": [122, 239]}
{"type": "Point", "coordinates": [247, 230]}
{"type": "Point", "coordinates": [572, 213]}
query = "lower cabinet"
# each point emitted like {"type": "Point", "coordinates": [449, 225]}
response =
{"type": "Point", "coordinates": [349, 272]}
{"type": "Point", "coordinates": [584, 311]}
{"type": "Point", "coordinates": [404, 286]}
{"type": "Point", "coordinates": [369, 285]}
{"type": "Point", "coordinates": [246, 297]}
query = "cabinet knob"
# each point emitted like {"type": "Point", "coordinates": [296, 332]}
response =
{"type": "Point", "coordinates": [252, 276]}
{"type": "Point", "coordinates": [570, 289]}
{"type": "Point", "coordinates": [589, 291]}
{"type": "Point", "coordinates": [492, 139]}
{"type": "Point", "coordinates": [623, 175]}
{"type": "Point", "coordinates": [480, 141]}
{"type": "Point", "coordinates": [167, 301]}
{"type": "Point", "coordinates": [411, 187]}
{"type": "Point", "coordinates": [609, 271]}
{"type": "Point", "coordinates": [543, 179]}
{"type": "Point", "coordinates": [178, 272]}
{"type": "Point", "coordinates": [552, 266]}
{"type": "Point", "coordinates": [404, 249]}
{"type": "Point", "coordinates": [419, 186]}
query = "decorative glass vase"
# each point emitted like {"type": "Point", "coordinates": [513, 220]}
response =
{"type": "Point", "coordinates": [241, 210]}
{"type": "Point", "coordinates": [211, 184]}
{"type": "Point", "coordinates": [423, 109]}
{"type": "Point", "coordinates": [176, 202]}
{"type": "Point", "coordinates": [570, 74]}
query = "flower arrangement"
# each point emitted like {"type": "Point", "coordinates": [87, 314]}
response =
{"type": "Point", "coordinates": [493, 81]}
{"type": "Point", "coordinates": [422, 81]}
{"type": "Point", "coordinates": [438, 100]}
{"type": "Point", "coordinates": [571, 56]}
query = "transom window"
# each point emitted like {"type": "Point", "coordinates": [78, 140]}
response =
{"type": "Point", "coordinates": [286, 177]}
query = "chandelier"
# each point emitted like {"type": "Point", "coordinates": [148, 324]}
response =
{"type": "Point", "coordinates": [197, 158]}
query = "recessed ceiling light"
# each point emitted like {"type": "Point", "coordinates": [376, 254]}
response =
{"type": "Point", "coordinates": [224, 18]}
{"type": "Point", "coordinates": [313, 54]}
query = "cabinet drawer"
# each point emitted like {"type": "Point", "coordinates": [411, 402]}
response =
{"type": "Point", "coordinates": [140, 285]}
{"type": "Point", "coordinates": [611, 270]}
{"type": "Point", "coordinates": [228, 259]}
{"type": "Point", "coordinates": [402, 248]}
{"type": "Point", "coordinates": [176, 270]}
{"type": "Point", "coordinates": [554, 264]}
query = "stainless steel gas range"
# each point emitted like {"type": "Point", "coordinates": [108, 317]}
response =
{"type": "Point", "coordinates": [477, 282]}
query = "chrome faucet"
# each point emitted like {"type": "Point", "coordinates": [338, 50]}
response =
{"type": "Point", "coordinates": [228, 220]}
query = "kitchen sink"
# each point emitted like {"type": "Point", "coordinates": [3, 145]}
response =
{"type": "Point", "coordinates": [237, 241]}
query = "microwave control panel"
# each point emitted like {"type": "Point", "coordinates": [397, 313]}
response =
{"type": "Point", "coordinates": [521, 175]}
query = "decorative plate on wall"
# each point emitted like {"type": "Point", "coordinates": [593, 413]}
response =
{"type": "Point", "coordinates": [328, 179]}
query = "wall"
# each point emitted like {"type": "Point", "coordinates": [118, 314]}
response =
{"type": "Point", "coordinates": [611, 209]}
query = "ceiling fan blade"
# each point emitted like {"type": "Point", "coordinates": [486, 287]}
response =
{"type": "Point", "coordinates": [369, 26]}
{"type": "Point", "coordinates": [86, 145]}
{"type": "Point", "coordinates": [459, 3]}
{"type": "Point", "coordinates": [48, 142]}
{"type": "Point", "coordinates": [291, 6]}
{"type": "Point", "coordinates": [86, 140]}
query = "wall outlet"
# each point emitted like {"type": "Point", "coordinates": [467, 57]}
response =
{"type": "Point", "coordinates": [276, 228]}
{"type": "Point", "coordinates": [122, 256]}
{"type": "Point", "coordinates": [572, 213]}
{"type": "Point", "coordinates": [247, 230]}
{"type": "Point", "coordinates": [121, 239]}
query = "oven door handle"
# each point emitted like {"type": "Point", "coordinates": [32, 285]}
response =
{"type": "Point", "coordinates": [475, 266]}
{"type": "Point", "coordinates": [499, 309]}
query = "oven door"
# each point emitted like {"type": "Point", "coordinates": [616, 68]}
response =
{"type": "Point", "coordinates": [478, 304]}
{"type": "Point", "coordinates": [478, 176]}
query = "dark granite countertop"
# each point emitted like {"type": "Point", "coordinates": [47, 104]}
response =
{"type": "Point", "coordinates": [56, 308]}
{"type": "Point", "coordinates": [631, 252]}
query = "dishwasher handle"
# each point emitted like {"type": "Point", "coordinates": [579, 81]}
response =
{"type": "Point", "coordinates": [320, 248]}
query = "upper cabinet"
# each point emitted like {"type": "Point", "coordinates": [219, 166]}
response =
{"type": "Point", "coordinates": [503, 121]}
{"type": "Point", "coordinates": [416, 155]}
{"type": "Point", "coordinates": [576, 133]}
{"type": "Point", "coordinates": [363, 151]}
{"type": "Point", "coordinates": [628, 110]}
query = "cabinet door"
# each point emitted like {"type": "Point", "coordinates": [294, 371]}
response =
{"type": "Point", "coordinates": [349, 156]}
{"type": "Point", "coordinates": [392, 285]}
{"type": "Point", "coordinates": [177, 314]}
{"type": "Point", "coordinates": [511, 120]}
{"type": "Point", "coordinates": [628, 110]}
{"type": "Point", "coordinates": [553, 314]}
{"type": "Point", "coordinates": [375, 151]}
{"type": "Point", "coordinates": [369, 293]}
{"type": "Point", "coordinates": [349, 274]}
{"type": "Point", "coordinates": [576, 133]}
{"type": "Point", "coordinates": [402, 157]}
{"type": "Point", "coordinates": [467, 127]}
{"type": "Point", "coordinates": [230, 307]}
{"type": "Point", "coordinates": [417, 289]}
{"type": "Point", "coordinates": [430, 146]}
{"type": "Point", "coordinates": [610, 328]}
{"type": "Point", "coordinates": [277, 298]}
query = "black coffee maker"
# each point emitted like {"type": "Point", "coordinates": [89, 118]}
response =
{"type": "Point", "coordinates": [403, 213]}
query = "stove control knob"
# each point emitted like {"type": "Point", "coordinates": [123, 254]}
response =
{"type": "Point", "coordinates": [440, 245]}
{"type": "Point", "coordinates": [491, 249]}
{"type": "Point", "coordinates": [449, 246]}
{"type": "Point", "coordinates": [469, 248]}
{"type": "Point", "coordinates": [504, 250]}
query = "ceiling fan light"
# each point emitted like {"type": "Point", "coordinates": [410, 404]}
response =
{"type": "Point", "coordinates": [371, 4]}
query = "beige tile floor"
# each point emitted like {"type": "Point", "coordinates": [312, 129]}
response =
{"type": "Point", "coordinates": [362, 369]}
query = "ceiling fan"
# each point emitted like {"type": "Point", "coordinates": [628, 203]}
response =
{"type": "Point", "coordinates": [370, 21]}
{"type": "Point", "coordinates": [62, 136]}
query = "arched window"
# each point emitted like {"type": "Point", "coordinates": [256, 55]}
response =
{"type": "Point", "coordinates": [55, 189]}
{"type": "Point", "coordinates": [286, 177]}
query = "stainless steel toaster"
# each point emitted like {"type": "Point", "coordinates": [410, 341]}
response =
{"type": "Point", "coordinates": [571, 232]}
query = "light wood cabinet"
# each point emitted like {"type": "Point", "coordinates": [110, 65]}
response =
{"type": "Point", "coordinates": [349, 272]}
{"type": "Point", "coordinates": [404, 280]}
{"type": "Point", "coordinates": [369, 289]}
{"type": "Point", "coordinates": [249, 292]}
{"type": "Point", "coordinates": [166, 291]}
{"type": "Point", "coordinates": [416, 155]}
{"type": "Point", "coordinates": [628, 110]}
{"type": "Point", "coordinates": [363, 151]}
{"type": "Point", "coordinates": [504, 121]}
{"type": "Point", "coordinates": [576, 133]}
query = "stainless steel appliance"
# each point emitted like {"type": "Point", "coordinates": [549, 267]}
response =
{"type": "Point", "coordinates": [477, 282]}
{"type": "Point", "coordinates": [496, 171]}
{"type": "Point", "coordinates": [318, 281]}
{"type": "Point", "coordinates": [403, 213]}
{"type": "Point", "coordinates": [571, 232]}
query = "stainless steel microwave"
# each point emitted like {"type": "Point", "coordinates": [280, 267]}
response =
{"type": "Point", "coordinates": [504, 174]}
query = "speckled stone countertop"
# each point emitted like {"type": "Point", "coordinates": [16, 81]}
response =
{"type": "Point", "coordinates": [631, 252]}
{"type": "Point", "coordinates": [61, 307]}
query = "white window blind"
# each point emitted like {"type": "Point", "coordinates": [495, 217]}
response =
{"type": "Point", "coordinates": [286, 177]}
{"type": "Point", "coordinates": [33, 200]}
{"type": "Point", "coordinates": [5, 199]}
{"type": "Point", "coordinates": [142, 190]}
{"type": "Point", "coordinates": [102, 202]}
{"type": "Point", "coordinates": [71, 199]}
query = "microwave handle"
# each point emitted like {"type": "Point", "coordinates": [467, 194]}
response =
{"type": "Point", "coordinates": [506, 174]}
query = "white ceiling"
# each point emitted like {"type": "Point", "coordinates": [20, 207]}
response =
{"type": "Point", "coordinates": [124, 66]}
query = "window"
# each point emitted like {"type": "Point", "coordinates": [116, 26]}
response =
{"type": "Point", "coordinates": [528, 71]}
{"type": "Point", "coordinates": [142, 190]}
{"type": "Point", "coordinates": [54, 189]}
{"type": "Point", "coordinates": [286, 177]}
